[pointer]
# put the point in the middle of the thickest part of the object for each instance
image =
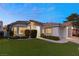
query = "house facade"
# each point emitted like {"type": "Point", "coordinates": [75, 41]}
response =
{"type": "Point", "coordinates": [65, 30]}
{"type": "Point", "coordinates": [49, 29]}
{"type": "Point", "coordinates": [19, 27]}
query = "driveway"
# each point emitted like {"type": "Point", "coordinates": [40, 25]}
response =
{"type": "Point", "coordinates": [62, 40]}
{"type": "Point", "coordinates": [74, 39]}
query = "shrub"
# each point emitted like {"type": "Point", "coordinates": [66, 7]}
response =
{"type": "Point", "coordinates": [76, 35]}
{"type": "Point", "coordinates": [1, 34]}
{"type": "Point", "coordinates": [27, 33]}
{"type": "Point", "coordinates": [50, 37]}
{"type": "Point", "coordinates": [11, 33]}
{"type": "Point", "coordinates": [42, 35]}
{"type": "Point", "coordinates": [33, 33]}
{"type": "Point", "coordinates": [15, 37]}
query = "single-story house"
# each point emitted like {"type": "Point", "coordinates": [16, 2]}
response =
{"type": "Point", "coordinates": [65, 30]}
{"type": "Point", "coordinates": [19, 27]}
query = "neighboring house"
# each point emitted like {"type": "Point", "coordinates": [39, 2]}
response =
{"type": "Point", "coordinates": [19, 28]}
{"type": "Point", "coordinates": [1, 26]}
{"type": "Point", "coordinates": [5, 30]}
{"type": "Point", "coordinates": [68, 30]}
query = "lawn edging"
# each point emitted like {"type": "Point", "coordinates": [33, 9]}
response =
{"type": "Point", "coordinates": [53, 41]}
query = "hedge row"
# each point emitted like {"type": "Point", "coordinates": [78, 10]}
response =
{"type": "Point", "coordinates": [76, 35]}
{"type": "Point", "coordinates": [1, 34]}
{"type": "Point", "coordinates": [50, 37]}
{"type": "Point", "coordinates": [28, 33]}
{"type": "Point", "coordinates": [31, 33]}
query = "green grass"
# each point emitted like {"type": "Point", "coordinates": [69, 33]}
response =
{"type": "Point", "coordinates": [36, 47]}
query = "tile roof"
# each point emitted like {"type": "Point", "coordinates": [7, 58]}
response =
{"type": "Point", "coordinates": [35, 21]}
{"type": "Point", "coordinates": [51, 24]}
{"type": "Point", "coordinates": [67, 24]}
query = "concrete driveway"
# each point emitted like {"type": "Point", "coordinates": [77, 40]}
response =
{"type": "Point", "coordinates": [74, 39]}
{"type": "Point", "coordinates": [53, 41]}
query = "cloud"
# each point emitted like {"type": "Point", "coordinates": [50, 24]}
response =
{"type": "Point", "coordinates": [51, 8]}
{"type": "Point", "coordinates": [34, 9]}
{"type": "Point", "coordinates": [37, 9]}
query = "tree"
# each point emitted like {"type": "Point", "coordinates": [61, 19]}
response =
{"type": "Point", "coordinates": [74, 18]}
{"type": "Point", "coordinates": [11, 33]}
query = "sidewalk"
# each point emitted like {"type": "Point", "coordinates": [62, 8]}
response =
{"type": "Point", "coordinates": [53, 41]}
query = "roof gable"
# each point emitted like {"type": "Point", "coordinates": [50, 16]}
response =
{"type": "Point", "coordinates": [19, 22]}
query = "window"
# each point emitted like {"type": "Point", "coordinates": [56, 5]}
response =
{"type": "Point", "coordinates": [22, 30]}
{"type": "Point", "coordinates": [49, 30]}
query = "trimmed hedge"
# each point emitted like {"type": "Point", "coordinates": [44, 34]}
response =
{"type": "Point", "coordinates": [31, 33]}
{"type": "Point", "coordinates": [27, 33]}
{"type": "Point", "coordinates": [76, 35]}
{"type": "Point", "coordinates": [50, 37]}
{"type": "Point", "coordinates": [1, 34]}
{"type": "Point", "coordinates": [17, 37]}
{"type": "Point", "coordinates": [11, 33]}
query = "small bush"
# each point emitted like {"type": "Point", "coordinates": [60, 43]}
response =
{"type": "Point", "coordinates": [76, 35]}
{"type": "Point", "coordinates": [33, 33]}
{"type": "Point", "coordinates": [1, 34]}
{"type": "Point", "coordinates": [42, 35]}
{"type": "Point", "coordinates": [50, 37]}
{"type": "Point", "coordinates": [27, 33]}
{"type": "Point", "coordinates": [11, 33]}
{"type": "Point", "coordinates": [17, 37]}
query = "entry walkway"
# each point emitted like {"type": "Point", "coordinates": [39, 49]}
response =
{"type": "Point", "coordinates": [53, 41]}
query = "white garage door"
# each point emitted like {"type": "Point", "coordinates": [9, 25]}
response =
{"type": "Point", "coordinates": [56, 31]}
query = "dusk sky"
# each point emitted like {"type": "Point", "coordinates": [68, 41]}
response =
{"type": "Point", "coordinates": [41, 12]}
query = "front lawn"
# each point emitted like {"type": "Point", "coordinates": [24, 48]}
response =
{"type": "Point", "coordinates": [36, 47]}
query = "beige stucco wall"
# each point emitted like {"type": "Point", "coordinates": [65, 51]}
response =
{"type": "Point", "coordinates": [21, 31]}
{"type": "Point", "coordinates": [68, 34]}
{"type": "Point", "coordinates": [47, 31]}
{"type": "Point", "coordinates": [32, 25]}
{"type": "Point", "coordinates": [53, 31]}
